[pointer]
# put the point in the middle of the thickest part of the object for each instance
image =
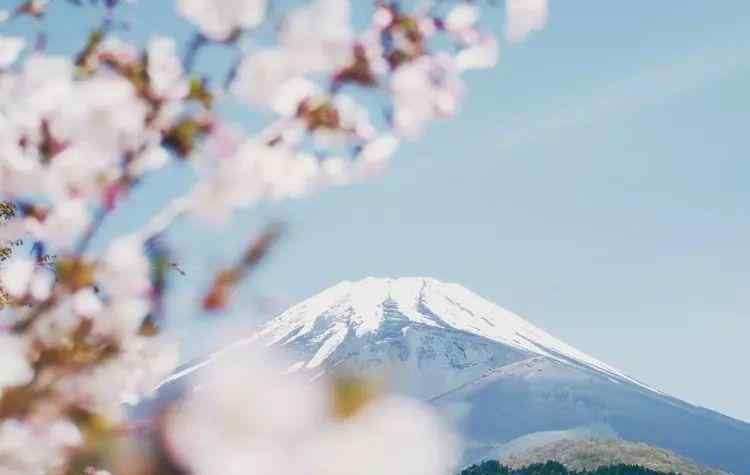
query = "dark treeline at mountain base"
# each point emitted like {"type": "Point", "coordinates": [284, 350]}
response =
{"type": "Point", "coordinates": [493, 467]}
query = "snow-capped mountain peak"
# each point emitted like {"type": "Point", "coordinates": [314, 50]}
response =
{"type": "Point", "coordinates": [364, 307]}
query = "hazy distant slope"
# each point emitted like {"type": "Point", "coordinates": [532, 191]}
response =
{"type": "Point", "coordinates": [588, 454]}
{"type": "Point", "coordinates": [539, 395]}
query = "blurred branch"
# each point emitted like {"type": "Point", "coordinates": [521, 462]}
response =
{"type": "Point", "coordinates": [219, 294]}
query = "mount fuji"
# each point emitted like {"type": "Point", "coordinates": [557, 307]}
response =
{"type": "Point", "coordinates": [497, 378]}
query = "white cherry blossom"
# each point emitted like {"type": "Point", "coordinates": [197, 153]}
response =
{"type": "Point", "coordinates": [12, 231]}
{"type": "Point", "coordinates": [268, 78]}
{"type": "Point", "coordinates": [318, 37]}
{"type": "Point", "coordinates": [117, 49]}
{"type": "Point", "coordinates": [16, 275]}
{"type": "Point", "coordinates": [151, 159]}
{"type": "Point", "coordinates": [10, 48]}
{"type": "Point", "coordinates": [41, 284]}
{"type": "Point", "coordinates": [15, 368]}
{"type": "Point", "coordinates": [125, 379]}
{"type": "Point", "coordinates": [55, 329]}
{"type": "Point", "coordinates": [379, 150]}
{"type": "Point", "coordinates": [122, 319]}
{"type": "Point", "coordinates": [86, 303]}
{"type": "Point", "coordinates": [461, 17]}
{"type": "Point", "coordinates": [315, 39]}
{"type": "Point", "coordinates": [425, 89]}
{"type": "Point", "coordinates": [40, 447]}
{"type": "Point", "coordinates": [65, 222]}
{"type": "Point", "coordinates": [22, 278]}
{"type": "Point", "coordinates": [43, 87]}
{"type": "Point", "coordinates": [525, 17]}
{"type": "Point", "coordinates": [480, 55]}
{"type": "Point", "coordinates": [165, 69]}
{"type": "Point", "coordinates": [124, 269]}
{"type": "Point", "coordinates": [256, 171]}
{"type": "Point", "coordinates": [253, 417]}
{"type": "Point", "coordinates": [79, 171]}
{"type": "Point", "coordinates": [105, 113]}
{"type": "Point", "coordinates": [218, 19]}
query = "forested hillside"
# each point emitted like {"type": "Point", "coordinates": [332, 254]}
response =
{"type": "Point", "coordinates": [493, 467]}
{"type": "Point", "coordinates": [590, 454]}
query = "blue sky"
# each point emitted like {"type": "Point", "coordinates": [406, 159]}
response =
{"type": "Point", "coordinates": [595, 183]}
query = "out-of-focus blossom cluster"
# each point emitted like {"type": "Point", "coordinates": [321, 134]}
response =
{"type": "Point", "coordinates": [79, 329]}
{"type": "Point", "coordinates": [258, 419]}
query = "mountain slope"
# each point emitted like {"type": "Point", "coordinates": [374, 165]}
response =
{"type": "Point", "coordinates": [494, 375]}
{"type": "Point", "coordinates": [543, 395]}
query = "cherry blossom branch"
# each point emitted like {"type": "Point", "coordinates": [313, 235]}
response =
{"type": "Point", "coordinates": [79, 132]}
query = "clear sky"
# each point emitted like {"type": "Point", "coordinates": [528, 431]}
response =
{"type": "Point", "coordinates": [595, 183]}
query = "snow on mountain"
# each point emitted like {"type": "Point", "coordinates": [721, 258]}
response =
{"type": "Point", "coordinates": [327, 323]}
{"type": "Point", "coordinates": [364, 307]}
{"type": "Point", "coordinates": [495, 376]}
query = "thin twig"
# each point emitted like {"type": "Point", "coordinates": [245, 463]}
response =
{"type": "Point", "coordinates": [95, 225]}
{"type": "Point", "coordinates": [192, 52]}
{"type": "Point", "coordinates": [159, 223]}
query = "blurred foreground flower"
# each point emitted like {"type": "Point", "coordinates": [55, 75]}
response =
{"type": "Point", "coordinates": [524, 17]}
{"type": "Point", "coordinates": [219, 294]}
{"type": "Point", "coordinates": [255, 418]}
